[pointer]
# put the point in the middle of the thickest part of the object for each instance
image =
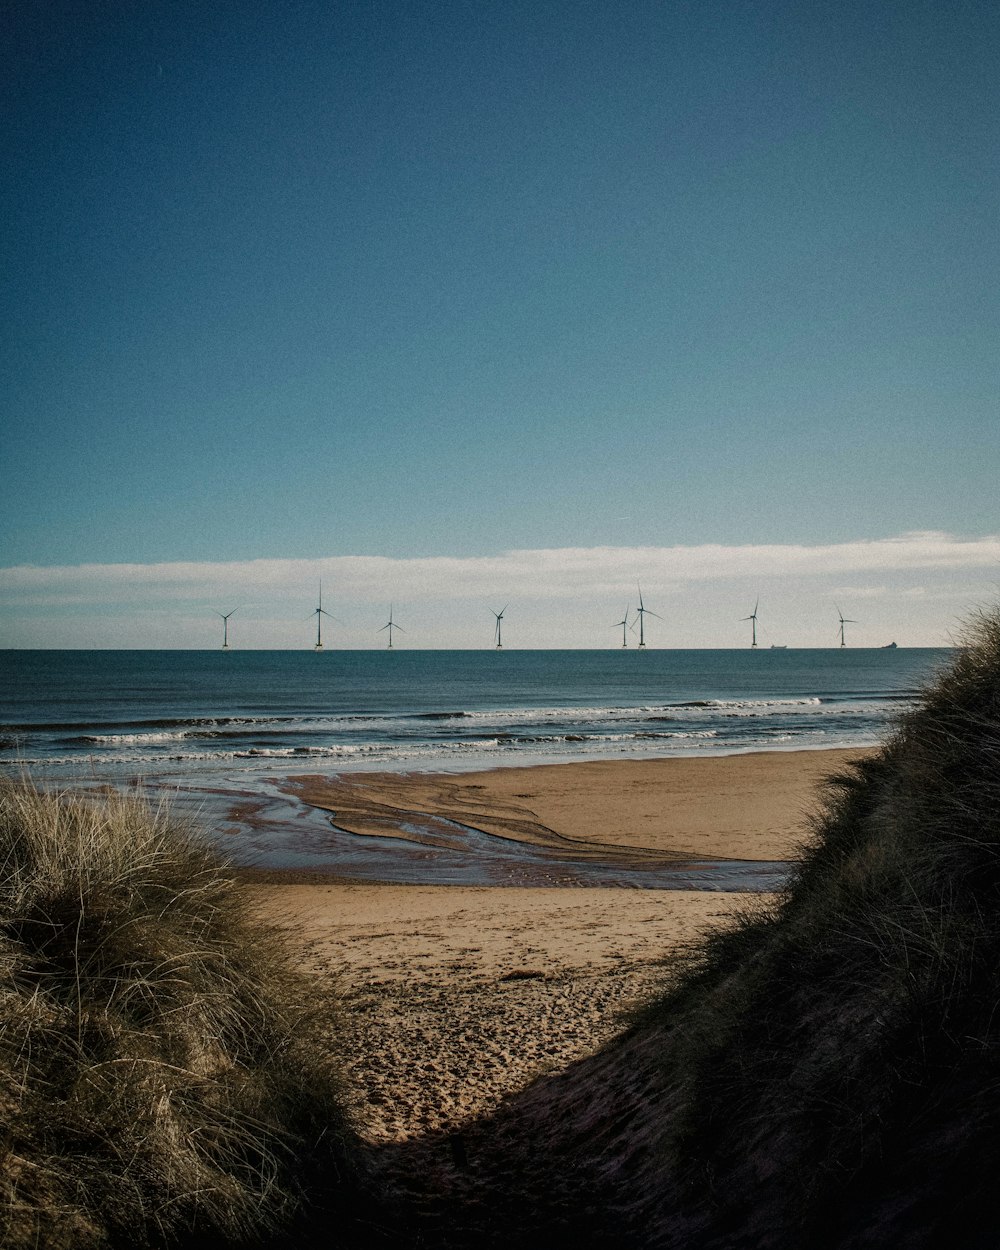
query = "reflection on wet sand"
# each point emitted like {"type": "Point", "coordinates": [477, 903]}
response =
{"type": "Point", "coordinates": [534, 826]}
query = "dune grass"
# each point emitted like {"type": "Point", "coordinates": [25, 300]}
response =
{"type": "Point", "coordinates": [835, 1062]}
{"type": "Point", "coordinates": [163, 1075]}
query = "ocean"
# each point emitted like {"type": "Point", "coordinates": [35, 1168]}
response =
{"type": "Point", "coordinates": [246, 714]}
{"type": "Point", "coordinates": [212, 727]}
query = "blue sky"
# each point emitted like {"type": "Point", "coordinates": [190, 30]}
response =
{"type": "Point", "coordinates": [310, 282]}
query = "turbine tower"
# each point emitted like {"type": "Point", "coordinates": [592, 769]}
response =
{"type": "Point", "coordinates": [844, 620]}
{"type": "Point", "coordinates": [624, 625]}
{"type": "Point", "coordinates": [319, 613]}
{"type": "Point", "coordinates": [390, 625]}
{"type": "Point", "coordinates": [753, 619]}
{"type": "Point", "coordinates": [641, 612]}
{"type": "Point", "coordinates": [496, 632]}
{"type": "Point", "coordinates": [225, 627]}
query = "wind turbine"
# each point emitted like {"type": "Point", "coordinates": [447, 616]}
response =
{"type": "Point", "coordinates": [225, 627]}
{"type": "Point", "coordinates": [390, 625]}
{"type": "Point", "coordinates": [753, 618]}
{"type": "Point", "coordinates": [496, 632]}
{"type": "Point", "coordinates": [643, 612]}
{"type": "Point", "coordinates": [844, 620]}
{"type": "Point", "coordinates": [319, 613]}
{"type": "Point", "coordinates": [624, 624]}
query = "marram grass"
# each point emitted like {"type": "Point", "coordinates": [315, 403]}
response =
{"type": "Point", "coordinates": [163, 1075]}
{"type": "Point", "coordinates": [835, 1062]}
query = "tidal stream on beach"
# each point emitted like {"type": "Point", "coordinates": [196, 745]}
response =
{"type": "Point", "coordinates": [281, 833]}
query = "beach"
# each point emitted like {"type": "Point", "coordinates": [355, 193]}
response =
{"type": "Point", "coordinates": [453, 996]}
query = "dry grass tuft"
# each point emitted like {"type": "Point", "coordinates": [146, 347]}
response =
{"type": "Point", "coordinates": [162, 1074]}
{"type": "Point", "coordinates": [836, 1063]}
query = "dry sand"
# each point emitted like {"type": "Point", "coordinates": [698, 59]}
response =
{"type": "Point", "coordinates": [454, 996]}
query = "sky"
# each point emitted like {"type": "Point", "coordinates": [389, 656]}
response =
{"type": "Point", "coordinates": [451, 305]}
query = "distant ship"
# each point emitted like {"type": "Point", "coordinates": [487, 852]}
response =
{"type": "Point", "coordinates": [782, 646]}
{"type": "Point", "coordinates": [889, 646]}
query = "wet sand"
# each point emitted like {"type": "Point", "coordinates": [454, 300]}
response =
{"type": "Point", "coordinates": [456, 996]}
{"type": "Point", "coordinates": [744, 807]}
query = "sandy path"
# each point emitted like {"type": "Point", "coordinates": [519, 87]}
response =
{"type": "Point", "coordinates": [455, 997]}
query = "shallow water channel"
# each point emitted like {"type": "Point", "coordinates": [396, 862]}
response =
{"type": "Point", "coordinates": [275, 831]}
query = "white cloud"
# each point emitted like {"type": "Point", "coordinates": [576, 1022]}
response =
{"type": "Point", "coordinates": [860, 592]}
{"type": "Point", "coordinates": [954, 573]}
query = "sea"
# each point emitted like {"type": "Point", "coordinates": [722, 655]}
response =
{"type": "Point", "coordinates": [212, 725]}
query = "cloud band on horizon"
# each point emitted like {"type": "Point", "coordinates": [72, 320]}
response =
{"type": "Point", "coordinates": [925, 579]}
